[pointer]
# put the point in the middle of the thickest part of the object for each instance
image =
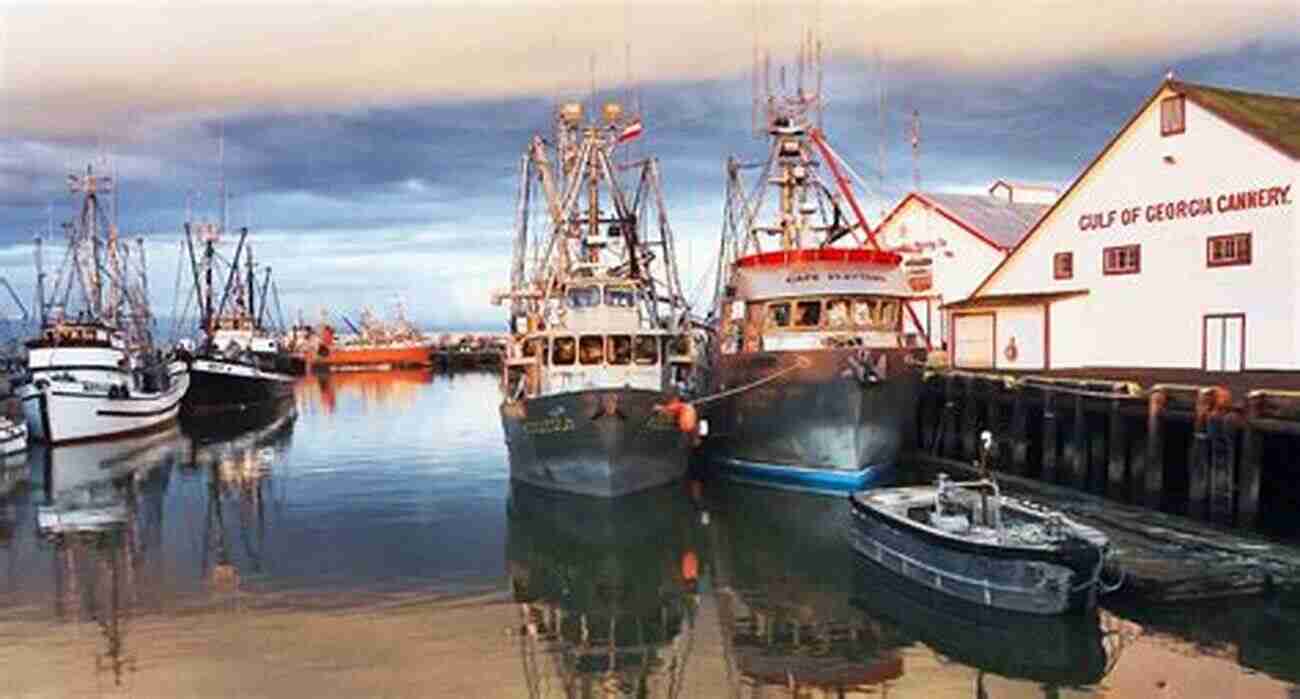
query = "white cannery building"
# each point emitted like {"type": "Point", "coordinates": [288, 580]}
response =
{"type": "Point", "coordinates": [950, 242]}
{"type": "Point", "coordinates": [1178, 247]}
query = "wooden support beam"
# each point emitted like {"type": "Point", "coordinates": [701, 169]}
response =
{"type": "Point", "coordinates": [1097, 459]}
{"type": "Point", "coordinates": [1050, 434]}
{"type": "Point", "coordinates": [1222, 467]}
{"type": "Point", "coordinates": [1019, 432]}
{"type": "Point", "coordinates": [1154, 484]}
{"type": "Point", "coordinates": [1117, 444]}
{"type": "Point", "coordinates": [969, 423]}
{"type": "Point", "coordinates": [1248, 475]}
{"type": "Point", "coordinates": [949, 435]}
{"type": "Point", "coordinates": [1077, 455]}
{"type": "Point", "coordinates": [1198, 460]}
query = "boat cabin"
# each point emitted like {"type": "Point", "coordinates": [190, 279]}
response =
{"type": "Point", "coordinates": [76, 334]}
{"type": "Point", "coordinates": [815, 299]}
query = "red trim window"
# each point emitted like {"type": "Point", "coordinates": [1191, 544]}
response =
{"type": "Point", "coordinates": [1122, 259]}
{"type": "Point", "coordinates": [1173, 115]}
{"type": "Point", "coordinates": [1227, 250]}
{"type": "Point", "coordinates": [1063, 265]}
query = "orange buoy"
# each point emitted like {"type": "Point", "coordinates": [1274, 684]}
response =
{"type": "Point", "coordinates": [687, 419]}
{"type": "Point", "coordinates": [690, 566]}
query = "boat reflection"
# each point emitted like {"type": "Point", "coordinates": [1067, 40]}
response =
{"type": "Point", "coordinates": [783, 580]}
{"type": "Point", "coordinates": [374, 389]}
{"type": "Point", "coordinates": [607, 591]}
{"type": "Point", "coordinates": [103, 516]}
{"type": "Point", "coordinates": [239, 468]}
{"type": "Point", "coordinates": [1053, 652]}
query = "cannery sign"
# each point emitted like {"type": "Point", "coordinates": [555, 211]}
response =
{"type": "Point", "coordinates": [1261, 198]}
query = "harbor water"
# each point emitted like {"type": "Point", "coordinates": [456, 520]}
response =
{"type": "Point", "coordinates": [370, 543]}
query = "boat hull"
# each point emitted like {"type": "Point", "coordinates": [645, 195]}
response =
{"type": "Point", "coordinates": [343, 357]}
{"type": "Point", "coordinates": [219, 387]}
{"type": "Point", "coordinates": [835, 422]}
{"type": "Point", "coordinates": [600, 442]}
{"type": "Point", "coordinates": [61, 412]}
{"type": "Point", "coordinates": [1040, 582]}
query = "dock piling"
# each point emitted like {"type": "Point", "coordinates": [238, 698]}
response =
{"type": "Point", "coordinates": [1117, 443]}
{"type": "Point", "coordinates": [1050, 433]}
{"type": "Point", "coordinates": [1154, 483]}
{"type": "Point", "coordinates": [1248, 477]}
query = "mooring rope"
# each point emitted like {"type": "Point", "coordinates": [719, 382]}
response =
{"type": "Point", "coordinates": [799, 363]}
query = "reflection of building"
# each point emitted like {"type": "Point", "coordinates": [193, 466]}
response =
{"type": "Point", "coordinates": [783, 577]}
{"type": "Point", "coordinates": [606, 593]}
{"type": "Point", "coordinates": [105, 519]}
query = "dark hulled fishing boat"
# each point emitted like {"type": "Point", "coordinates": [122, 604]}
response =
{"type": "Point", "coordinates": [239, 365]}
{"type": "Point", "coordinates": [815, 362]}
{"type": "Point", "coordinates": [598, 323]}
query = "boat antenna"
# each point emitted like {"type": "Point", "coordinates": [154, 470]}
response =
{"type": "Point", "coordinates": [915, 136]}
{"type": "Point", "coordinates": [221, 173]}
{"type": "Point", "coordinates": [880, 135]}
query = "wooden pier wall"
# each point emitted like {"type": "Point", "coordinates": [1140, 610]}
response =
{"type": "Point", "coordinates": [1186, 449]}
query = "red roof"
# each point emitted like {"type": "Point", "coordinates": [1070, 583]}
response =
{"type": "Point", "coordinates": [858, 256]}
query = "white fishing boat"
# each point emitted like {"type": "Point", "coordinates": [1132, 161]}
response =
{"type": "Point", "coordinates": [600, 341]}
{"type": "Point", "coordinates": [93, 370]}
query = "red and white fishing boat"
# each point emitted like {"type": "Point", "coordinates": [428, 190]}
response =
{"type": "Point", "coordinates": [817, 359]}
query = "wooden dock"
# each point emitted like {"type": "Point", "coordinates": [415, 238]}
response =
{"type": "Point", "coordinates": [1164, 558]}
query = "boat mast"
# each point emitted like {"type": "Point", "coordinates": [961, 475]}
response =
{"type": "Point", "coordinates": [250, 306]}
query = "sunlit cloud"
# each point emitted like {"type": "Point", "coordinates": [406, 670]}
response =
{"type": "Point", "coordinates": [111, 68]}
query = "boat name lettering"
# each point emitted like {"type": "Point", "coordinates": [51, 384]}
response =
{"type": "Point", "coordinates": [1260, 198]}
{"type": "Point", "coordinates": [807, 277]}
{"type": "Point", "coordinates": [550, 425]}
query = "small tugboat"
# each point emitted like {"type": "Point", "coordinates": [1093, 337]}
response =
{"type": "Point", "coordinates": [599, 338]}
{"type": "Point", "coordinates": [239, 365]}
{"type": "Point", "coordinates": [815, 365]}
{"type": "Point", "coordinates": [967, 540]}
{"type": "Point", "coordinates": [96, 373]}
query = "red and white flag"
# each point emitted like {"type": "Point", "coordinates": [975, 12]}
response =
{"type": "Point", "coordinates": [632, 131]}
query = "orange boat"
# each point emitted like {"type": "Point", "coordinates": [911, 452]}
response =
{"type": "Point", "coordinates": [376, 345]}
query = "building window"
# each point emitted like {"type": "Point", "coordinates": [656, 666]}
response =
{"type": "Point", "coordinates": [1173, 112]}
{"type": "Point", "coordinates": [1063, 265]}
{"type": "Point", "coordinates": [1227, 250]}
{"type": "Point", "coordinates": [1125, 259]}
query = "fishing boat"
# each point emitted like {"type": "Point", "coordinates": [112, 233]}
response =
{"type": "Point", "coordinates": [239, 364]}
{"type": "Point", "coordinates": [814, 371]}
{"type": "Point", "coordinates": [93, 369]}
{"type": "Point", "coordinates": [599, 342]}
{"type": "Point", "coordinates": [968, 540]}
{"type": "Point", "coordinates": [375, 344]}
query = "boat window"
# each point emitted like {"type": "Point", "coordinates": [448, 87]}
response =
{"type": "Point", "coordinates": [808, 314]}
{"type": "Point", "coordinates": [647, 350]}
{"type": "Point", "coordinates": [889, 314]}
{"type": "Point", "coordinates": [680, 345]}
{"type": "Point", "coordinates": [620, 349]}
{"type": "Point", "coordinates": [591, 349]}
{"type": "Point", "coordinates": [837, 313]}
{"type": "Point", "coordinates": [620, 296]}
{"type": "Point", "coordinates": [584, 296]}
{"type": "Point", "coordinates": [564, 350]}
{"type": "Point", "coordinates": [778, 315]}
{"type": "Point", "coordinates": [535, 347]}
{"type": "Point", "coordinates": [865, 313]}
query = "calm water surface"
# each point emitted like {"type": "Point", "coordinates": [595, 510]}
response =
{"type": "Point", "coordinates": [371, 545]}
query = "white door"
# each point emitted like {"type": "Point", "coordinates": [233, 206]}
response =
{"type": "Point", "coordinates": [973, 341]}
{"type": "Point", "coordinates": [1224, 343]}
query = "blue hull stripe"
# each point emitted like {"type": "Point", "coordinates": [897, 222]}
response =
{"type": "Point", "coordinates": [806, 479]}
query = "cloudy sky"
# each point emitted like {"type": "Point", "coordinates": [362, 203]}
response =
{"type": "Point", "coordinates": [372, 146]}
